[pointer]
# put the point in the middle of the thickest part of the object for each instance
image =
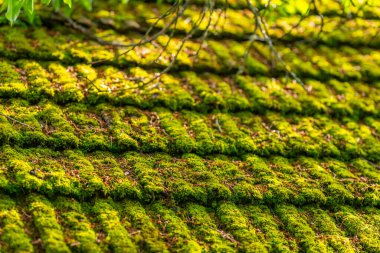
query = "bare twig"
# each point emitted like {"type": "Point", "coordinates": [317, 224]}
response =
{"type": "Point", "coordinates": [297, 24]}
{"type": "Point", "coordinates": [210, 6]}
{"type": "Point", "coordinates": [218, 125]}
{"type": "Point", "coordinates": [145, 39]}
{"type": "Point", "coordinates": [261, 26]}
{"type": "Point", "coordinates": [195, 28]}
{"type": "Point", "coordinates": [169, 40]}
{"type": "Point", "coordinates": [16, 121]}
{"type": "Point", "coordinates": [76, 26]}
{"type": "Point", "coordinates": [316, 10]}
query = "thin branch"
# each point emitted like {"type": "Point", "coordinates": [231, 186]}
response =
{"type": "Point", "coordinates": [16, 121]}
{"type": "Point", "coordinates": [145, 39]}
{"type": "Point", "coordinates": [316, 10]}
{"type": "Point", "coordinates": [165, 47]}
{"type": "Point", "coordinates": [297, 24]}
{"type": "Point", "coordinates": [195, 28]}
{"type": "Point", "coordinates": [261, 26]}
{"type": "Point", "coordinates": [205, 33]}
{"type": "Point", "coordinates": [252, 39]}
{"type": "Point", "coordinates": [76, 26]}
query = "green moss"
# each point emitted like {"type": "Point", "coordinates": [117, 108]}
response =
{"type": "Point", "coordinates": [340, 169]}
{"type": "Point", "coordinates": [335, 191]}
{"type": "Point", "coordinates": [338, 193]}
{"type": "Point", "coordinates": [356, 226]}
{"type": "Point", "coordinates": [94, 142]}
{"type": "Point", "coordinates": [266, 121]}
{"type": "Point", "coordinates": [227, 60]}
{"type": "Point", "coordinates": [234, 97]}
{"type": "Point", "coordinates": [68, 89]}
{"type": "Point", "coordinates": [79, 55]}
{"type": "Point", "coordinates": [183, 191]}
{"type": "Point", "coordinates": [180, 140]}
{"type": "Point", "coordinates": [176, 229]}
{"type": "Point", "coordinates": [82, 119]}
{"type": "Point", "coordinates": [283, 165]}
{"type": "Point", "coordinates": [142, 129]}
{"type": "Point", "coordinates": [259, 99]}
{"type": "Point", "coordinates": [372, 215]}
{"type": "Point", "coordinates": [257, 165]}
{"type": "Point", "coordinates": [207, 183]}
{"type": "Point", "coordinates": [7, 133]}
{"type": "Point", "coordinates": [78, 164]}
{"type": "Point", "coordinates": [34, 139]}
{"type": "Point", "coordinates": [243, 142]}
{"type": "Point", "coordinates": [366, 169]}
{"type": "Point", "coordinates": [87, 71]}
{"type": "Point", "coordinates": [208, 96]}
{"type": "Point", "coordinates": [23, 178]}
{"type": "Point", "coordinates": [298, 226]}
{"type": "Point", "coordinates": [203, 134]}
{"type": "Point", "coordinates": [324, 224]}
{"type": "Point", "coordinates": [63, 140]}
{"type": "Point", "coordinates": [44, 218]}
{"type": "Point", "coordinates": [149, 178]}
{"type": "Point", "coordinates": [125, 188]}
{"type": "Point", "coordinates": [179, 97]}
{"type": "Point", "coordinates": [17, 41]}
{"type": "Point", "coordinates": [4, 182]}
{"type": "Point", "coordinates": [277, 193]}
{"type": "Point", "coordinates": [10, 81]}
{"type": "Point", "coordinates": [47, 46]}
{"type": "Point", "coordinates": [265, 221]}
{"type": "Point", "coordinates": [309, 196]}
{"type": "Point", "coordinates": [122, 134]}
{"type": "Point", "coordinates": [12, 230]}
{"type": "Point", "coordinates": [237, 224]}
{"type": "Point", "coordinates": [117, 178]}
{"type": "Point", "coordinates": [54, 175]}
{"type": "Point", "coordinates": [77, 228]}
{"type": "Point", "coordinates": [38, 83]}
{"type": "Point", "coordinates": [149, 238]}
{"type": "Point", "coordinates": [253, 65]}
{"type": "Point", "coordinates": [53, 116]}
{"type": "Point", "coordinates": [118, 238]}
{"type": "Point", "coordinates": [207, 231]}
{"type": "Point", "coordinates": [246, 192]}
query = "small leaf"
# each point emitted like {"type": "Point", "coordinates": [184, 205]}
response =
{"type": "Point", "coordinates": [3, 6]}
{"type": "Point", "coordinates": [29, 6]}
{"type": "Point", "coordinates": [13, 10]}
{"type": "Point", "coordinates": [57, 4]}
{"type": "Point", "coordinates": [68, 2]}
{"type": "Point", "coordinates": [30, 16]}
{"type": "Point", "coordinates": [302, 7]}
{"type": "Point", "coordinates": [67, 11]}
{"type": "Point", "coordinates": [46, 2]}
{"type": "Point", "coordinates": [87, 4]}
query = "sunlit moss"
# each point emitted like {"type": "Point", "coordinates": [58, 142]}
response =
{"type": "Point", "coordinates": [149, 238]}
{"type": "Point", "coordinates": [176, 228]}
{"type": "Point", "coordinates": [298, 226]}
{"type": "Point", "coordinates": [237, 224]}
{"type": "Point", "coordinates": [207, 230]}
{"type": "Point", "coordinates": [44, 218]}
{"type": "Point", "coordinates": [12, 227]}
{"type": "Point", "coordinates": [356, 226]}
{"type": "Point", "coordinates": [118, 238]}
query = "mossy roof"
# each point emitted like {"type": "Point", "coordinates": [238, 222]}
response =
{"type": "Point", "coordinates": [201, 160]}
